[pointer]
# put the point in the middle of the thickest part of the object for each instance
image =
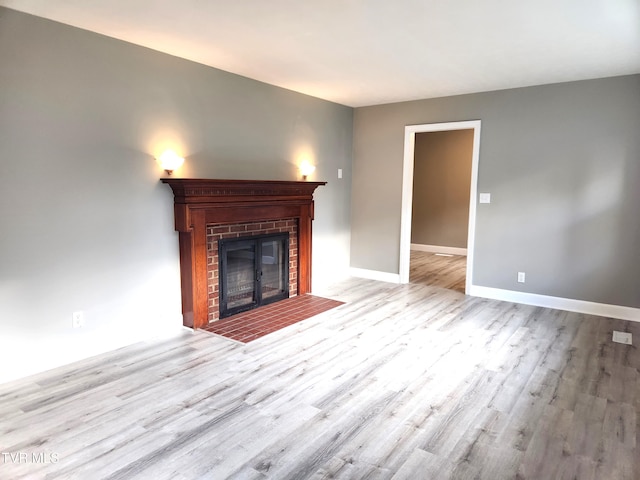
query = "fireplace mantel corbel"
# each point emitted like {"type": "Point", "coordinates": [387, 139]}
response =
{"type": "Point", "coordinates": [201, 202]}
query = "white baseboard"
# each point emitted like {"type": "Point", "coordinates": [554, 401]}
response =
{"type": "Point", "coordinates": [438, 249]}
{"type": "Point", "coordinates": [374, 275]}
{"type": "Point", "coordinates": [580, 306]}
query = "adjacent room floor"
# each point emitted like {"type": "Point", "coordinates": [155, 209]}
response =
{"type": "Point", "coordinates": [438, 270]}
{"type": "Point", "coordinates": [402, 381]}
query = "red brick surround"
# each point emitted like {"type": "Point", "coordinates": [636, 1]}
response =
{"type": "Point", "coordinates": [237, 230]}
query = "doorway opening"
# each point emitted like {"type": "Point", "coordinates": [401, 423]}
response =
{"type": "Point", "coordinates": [408, 193]}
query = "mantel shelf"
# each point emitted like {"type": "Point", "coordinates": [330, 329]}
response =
{"type": "Point", "coordinates": [189, 190]}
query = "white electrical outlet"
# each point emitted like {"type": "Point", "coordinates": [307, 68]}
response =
{"type": "Point", "coordinates": [521, 277]}
{"type": "Point", "coordinates": [77, 319]}
{"type": "Point", "coordinates": [339, 173]}
{"type": "Point", "coordinates": [622, 337]}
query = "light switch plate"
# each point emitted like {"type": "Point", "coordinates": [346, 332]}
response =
{"type": "Point", "coordinates": [485, 198]}
{"type": "Point", "coordinates": [622, 337]}
{"type": "Point", "coordinates": [77, 320]}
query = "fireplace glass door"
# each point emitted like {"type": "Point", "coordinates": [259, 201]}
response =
{"type": "Point", "coordinates": [254, 271]}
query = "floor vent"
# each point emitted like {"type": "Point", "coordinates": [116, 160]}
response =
{"type": "Point", "coordinates": [622, 337]}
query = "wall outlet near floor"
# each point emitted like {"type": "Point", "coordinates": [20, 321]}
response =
{"type": "Point", "coordinates": [521, 277]}
{"type": "Point", "coordinates": [77, 319]}
{"type": "Point", "coordinates": [622, 337]}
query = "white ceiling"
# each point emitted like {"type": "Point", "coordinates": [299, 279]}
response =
{"type": "Point", "coordinates": [366, 52]}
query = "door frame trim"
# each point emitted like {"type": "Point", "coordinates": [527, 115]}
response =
{"type": "Point", "coordinates": [407, 192]}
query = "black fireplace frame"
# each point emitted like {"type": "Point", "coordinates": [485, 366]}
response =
{"type": "Point", "coordinates": [258, 300]}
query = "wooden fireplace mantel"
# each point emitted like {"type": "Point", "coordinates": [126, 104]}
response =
{"type": "Point", "coordinates": [200, 202]}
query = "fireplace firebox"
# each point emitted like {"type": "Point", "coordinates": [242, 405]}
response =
{"type": "Point", "coordinates": [254, 271]}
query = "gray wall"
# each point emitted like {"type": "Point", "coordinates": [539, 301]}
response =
{"type": "Point", "coordinates": [441, 187]}
{"type": "Point", "coordinates": [86, 224]}
{"type": "Point", "coordinates": [562, 163]}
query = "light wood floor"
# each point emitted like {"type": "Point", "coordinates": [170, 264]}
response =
{"type": "Point", "coordinates": [438, 271]}
{"type": "Point", "coordinates": [403, 381]}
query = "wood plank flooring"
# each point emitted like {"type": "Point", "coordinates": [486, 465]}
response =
{"type": "Point", "coordinates": [438, 271]}
{"type": "Point", "coordinates": [401, 382]}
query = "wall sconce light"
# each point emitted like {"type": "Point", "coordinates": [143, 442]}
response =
{"type": "Point", "coordinates": [170, 161]}
{"type": "Point", "coordinates": [306, 169]}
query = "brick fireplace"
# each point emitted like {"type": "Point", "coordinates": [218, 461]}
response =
{"type": "Point", "coordinates": [209, 210]}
